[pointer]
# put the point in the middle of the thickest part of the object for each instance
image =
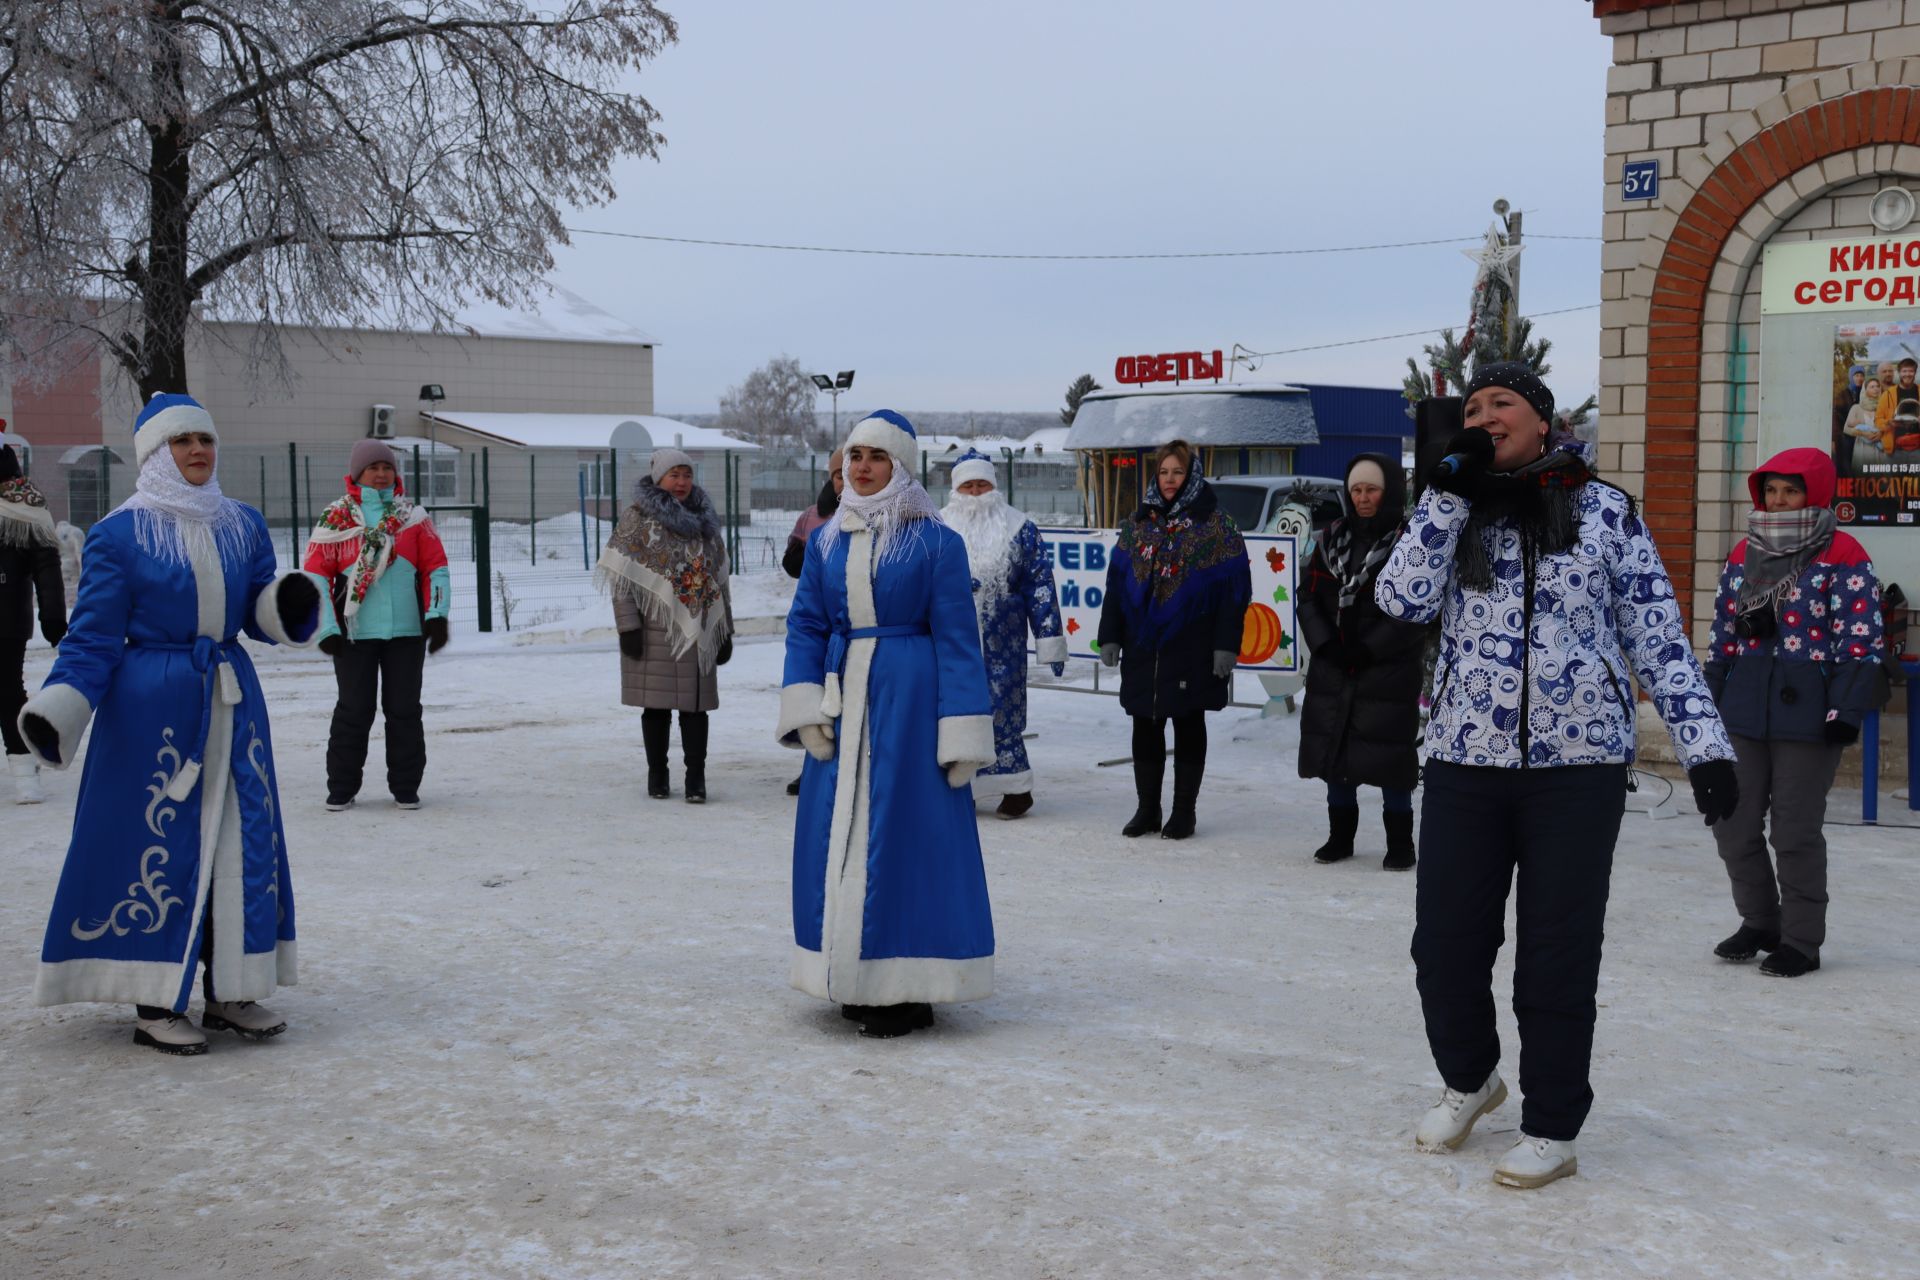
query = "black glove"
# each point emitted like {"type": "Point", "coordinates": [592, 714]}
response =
{"type": "Point", "coordinates": [726, 652]}
{"type": "Point", "coordinates": [1477, 446]}
{"type": "Point", "coordinates": [1716, 792]}
{"type": "Point", "coordinates": [1332, 653]}
{"type": "Point", "coordinates": [55, 632]}
{"type": "Point", "coordinates": [634, 644]}
{"type": "Point", "coordinates": [41, 736]}
{"type": "Point", "coordinates": [334, 645]}
{"type": "Point", "coordinates": [297, 600]}
{"type": "Point", "coordinates": [1842, 734]}
{"type": "Point", "coordinates": [436, 629]}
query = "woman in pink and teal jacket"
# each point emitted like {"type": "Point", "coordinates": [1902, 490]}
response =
{"type": "Point", "coordinates": [386, 610]}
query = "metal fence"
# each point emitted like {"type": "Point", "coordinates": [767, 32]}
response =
{"type": "Point", "coordinates": [524, 528]}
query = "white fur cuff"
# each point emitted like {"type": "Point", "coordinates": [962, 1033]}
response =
{"type": "Point", "coordinates": [67, 710]}
{"type": "Point", "coordinates": [1050, 649]}
{"type": "Point", "coordinates": [965, 740]}
{"type": "Point", "coordinates": [266, 611]}
{"type": "Point", "coordinates": [799, 704]}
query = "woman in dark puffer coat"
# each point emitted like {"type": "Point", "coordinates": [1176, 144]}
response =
{"type": "Point", "coordinates": [1361, 723]}
{"type": "Point", "coordinates": [29, 567]}
{"type": "Point", "coordinates": [666, 565]}
{"type": "Point", "coordinates": [1176, 606]}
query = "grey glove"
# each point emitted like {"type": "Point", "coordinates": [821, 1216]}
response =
{"type": "Point", "coordinates": [1224, 661]}
{"type": "Point", "coordinates": [1109, 655]}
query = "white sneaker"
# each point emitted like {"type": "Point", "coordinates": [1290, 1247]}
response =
{"type": "Point", "coordinates": [243, 1017]}
{"type": "Point", "coordinates": [26, 780]}
{"type": "Point", "coordinates": [1534, 1162]}
{"type": "Point", "coordinates": [170, 1034]}
{"type": "Point", "coordinates": [1452, 1118]}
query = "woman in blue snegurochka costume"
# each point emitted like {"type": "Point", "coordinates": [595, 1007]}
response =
{"type": "Point", "coordinates": [885, 689]}
{"type": "Point", "coordinates": [1013, 592]}
{"type": "Point", "coordinates": [1549, 594]}
{"type": "Point", "coordinates": [178, 856]}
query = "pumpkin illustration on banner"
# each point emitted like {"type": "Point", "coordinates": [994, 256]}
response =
{"type": "Point", "coordinates": [1260, 635]}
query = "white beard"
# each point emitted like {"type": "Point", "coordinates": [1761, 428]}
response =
{"type": "Point", "coordinates": [988, 526]}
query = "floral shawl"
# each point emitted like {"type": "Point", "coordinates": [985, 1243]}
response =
{"type": "Point", "coordinates": [24, 518]}
{"type": "Point", "coordinates": [670, 559]}
{"type": "Point", "coordinates": [344, 521]}
{"type": "Point", "coordinates": [1180, 558]}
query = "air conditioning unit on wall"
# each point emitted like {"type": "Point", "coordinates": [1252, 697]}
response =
{"type": "Point", "coordinates": [382, 428]}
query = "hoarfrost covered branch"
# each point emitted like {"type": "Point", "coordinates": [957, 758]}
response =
{"type": "Point", "coordinates": [355, 162]}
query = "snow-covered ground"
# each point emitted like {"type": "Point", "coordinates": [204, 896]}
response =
{"type": "Point", "coordinates": [544, 1031]}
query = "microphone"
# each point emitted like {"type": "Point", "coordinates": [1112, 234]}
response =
{"type": "Point", "coordinates": [1472, 449]}
{"type": "Point", "coordinates": [1452, 465]}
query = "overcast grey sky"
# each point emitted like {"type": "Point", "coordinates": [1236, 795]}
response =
{"type": "Point", "coordinates": [1096, 126]}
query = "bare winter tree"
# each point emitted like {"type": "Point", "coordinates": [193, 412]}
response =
{"type": "Point", "coordinates": [356, 162]}
{"type": "Point", "coordinates": [773, 405]}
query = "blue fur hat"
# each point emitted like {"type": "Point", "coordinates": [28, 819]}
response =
{"type": "Point", "coordinates": [168, 416]}
{"type": "Point", "coordinates": [885, 429]}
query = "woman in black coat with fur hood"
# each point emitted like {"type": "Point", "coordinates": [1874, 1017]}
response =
{"type": "Point", "coordinates": [1361, 723]}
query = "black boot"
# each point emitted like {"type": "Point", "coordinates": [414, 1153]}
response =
{"type": "Point", "coordinates": [1149, 771]}
{"type": "Point", "coordinates": [1189, 766]}
{"type": "Point", "coordinates": [1145, 819]}
{"type": "Point", "coordinates": [1341, 824]}
{"type": "Point", "coordinates": [885, 1021]}
{"type": "Point", "coordinates": [656, 727]}
{"type": "Point", "coordinates": [1400, 855]}
{"type": "Point", "coordinates": [1746, 943]}
{"type": "Point", "coordinates": [693, 750]}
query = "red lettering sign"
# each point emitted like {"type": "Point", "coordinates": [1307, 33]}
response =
{"type": "Point", "coordinates": [1171, 366]}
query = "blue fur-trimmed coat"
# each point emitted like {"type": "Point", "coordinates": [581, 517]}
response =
{"type": "Point", "coordinates": [889, 890]}
{"type": "Point", "coordinates": [1545, 683]}
{"type": "Point", "coordinates": [1027, 603]}
{"type": "Point", "coordinates": [152, 658]}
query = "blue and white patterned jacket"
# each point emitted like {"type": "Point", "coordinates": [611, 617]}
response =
{"type": "Point", "coordinates": [1599, 609]}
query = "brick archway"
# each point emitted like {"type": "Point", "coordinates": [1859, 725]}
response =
{"type": "Point", "coordinates": [1681, 282]}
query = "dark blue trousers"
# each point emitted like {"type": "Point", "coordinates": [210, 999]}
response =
{"type": "Point", "coordinates": [1556, 828]}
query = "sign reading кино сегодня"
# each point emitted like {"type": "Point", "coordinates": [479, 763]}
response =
{"type": "Point", "coordinates": [1840, 275]}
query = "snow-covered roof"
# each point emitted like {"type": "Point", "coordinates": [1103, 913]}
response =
{"type": "Point", "coordinates": [564, 317]}
{"type": "Point", "coordinates": [1047, 441]}
{"type": "Point", "coordinates": [939, 447]}
{"type": "Point", "coordinates": [639, 432]}
{"type": "Point", "coordinates": [1245, 414]}
{"type": "Point", "coordinates": [407, 444]}
{"type": "Point", "coordinates": [85, 452]}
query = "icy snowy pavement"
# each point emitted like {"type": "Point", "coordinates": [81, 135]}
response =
{"type": "Point", "coordinates": [544, 1031]}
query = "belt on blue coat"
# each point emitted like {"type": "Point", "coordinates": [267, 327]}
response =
{"type": "Point", "coordinates": [210, 658]}
{"type": "Point", "coordinates": [838, 641]}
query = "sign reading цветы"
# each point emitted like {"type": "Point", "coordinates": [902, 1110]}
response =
{"type": "Point", "coordinates": [1841, 275]}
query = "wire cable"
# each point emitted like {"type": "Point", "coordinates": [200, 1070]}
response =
{"type": "Point", "coordinates": [1042, 257]}
{"type": "Point", "coordinates": [1390, 337]}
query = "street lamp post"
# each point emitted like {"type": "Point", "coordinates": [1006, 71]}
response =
{"type": "Point", "coordinates": [834, 386]}
{"type": "Point", "coordinates": [431, 394]}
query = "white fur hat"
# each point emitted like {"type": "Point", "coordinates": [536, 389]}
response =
{"type": "Point", "coordinates": [168, 416]}
{"type": "Point", "coordinates": [885, 429]}
{"type": "Point", "coordinates": [974, 465]}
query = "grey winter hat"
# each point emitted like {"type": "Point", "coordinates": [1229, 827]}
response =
{"type": "Point", "coordinates": [1519, 379]}
{"type": "Point", "coordinates": [365, 454]}
{"type": "Point", "coordinates": [665, 460]}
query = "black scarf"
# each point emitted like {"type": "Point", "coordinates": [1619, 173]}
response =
{"type": "Point", "coordinates": [1539, 498]}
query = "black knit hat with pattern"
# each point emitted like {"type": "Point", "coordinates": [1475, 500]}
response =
{"type": "Point", "coordinates": [1519, 379]}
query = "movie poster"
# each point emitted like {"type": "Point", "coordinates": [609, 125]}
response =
{"type": "Point", "coordinates": [1876, 423]}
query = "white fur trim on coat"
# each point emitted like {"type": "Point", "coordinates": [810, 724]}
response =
{"type": "Point", "coordinates": [67, 710]}
{"type": "Point", "coordinates": [988, 785]}
{"type": "Point", "coordinates": [965, 740]}
{"type": "Point", "coordinates": [170, 424]}
{"type": "Point", "coordinates": [900, 980]}
{"type": "Point", "coordinates": [878, 433]}
{"type": "Point", "coordinates": [799, 704]}
{"type": "Point", "coordinates": [1050, 649]}
{"type": "Point", "coordinates": [266, 612]}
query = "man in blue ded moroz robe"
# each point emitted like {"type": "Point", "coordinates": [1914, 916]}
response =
{"type": "Point", "coordinates": [1012, 593]}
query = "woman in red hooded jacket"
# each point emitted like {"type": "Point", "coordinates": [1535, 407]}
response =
{"type": "Point", "coordinates": [1794, 664]}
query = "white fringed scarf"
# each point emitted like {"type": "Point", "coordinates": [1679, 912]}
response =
{"type": "Point", "coordinates": [174, 521]}
{"type": "Point", "coordinates": [889, 513]}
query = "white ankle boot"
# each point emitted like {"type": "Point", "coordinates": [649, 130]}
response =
{"type": "Point", "coordinates": [26, 780]}
{"type": "Point", "coordinates": [244, 1018]}
{"type": "Point", "coordinates": [1534, 1162]}
{"type": "Point", "coordinates": [171, 1033]}
{"type": "Point", "coordinates": [1447, 1125]}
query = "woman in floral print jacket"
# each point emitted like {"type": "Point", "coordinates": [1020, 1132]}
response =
{"type": "Point", "coordinates": [1550, 597]}
{"type": "Point", "coordinates": [1795, 660]}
